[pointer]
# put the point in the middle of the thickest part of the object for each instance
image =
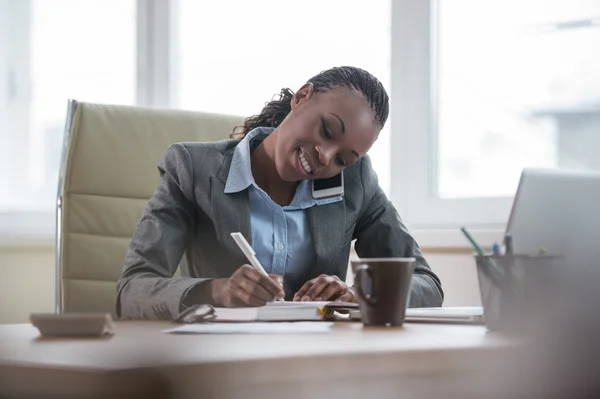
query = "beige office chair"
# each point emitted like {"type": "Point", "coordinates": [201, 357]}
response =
{"type": "Point", "coordinates": [108, 174]}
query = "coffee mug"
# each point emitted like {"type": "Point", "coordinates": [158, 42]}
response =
{"type": "Point", "coordinates": [382, 286]}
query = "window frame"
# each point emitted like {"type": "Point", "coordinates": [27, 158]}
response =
{"type": "Point", "coordinates": [434, 221]}
{"type": "Point", "coordinates": [154, 22]}
{"type": "Point", "coordinates": [18, 225]}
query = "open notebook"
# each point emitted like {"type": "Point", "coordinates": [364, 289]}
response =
{"type": "Point", "coordinates": [283, 311]}
{"type": "Point", "coordinates": [274, 311]}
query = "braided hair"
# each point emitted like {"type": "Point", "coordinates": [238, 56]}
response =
{"type": "Point", "coordinates": [276, 110]}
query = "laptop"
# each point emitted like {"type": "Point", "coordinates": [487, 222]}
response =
{"type": "Point", "coordinates": [467, 315]}
{"type": "Point", "coordinates": [556, 212]}
{"type": "Point", "coordinates": [458, 315]}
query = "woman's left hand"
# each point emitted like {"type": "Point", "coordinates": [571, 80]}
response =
{"type": "Point", "coordinates": [325, 288]}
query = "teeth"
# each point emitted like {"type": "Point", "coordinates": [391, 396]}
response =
{"type": "Point", "coordinates": [304, 162]}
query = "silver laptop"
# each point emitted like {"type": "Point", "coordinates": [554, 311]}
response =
{"type": "Point", "coordinates": [459, 315]}
{"type": "Point", "coordinates": [557, 212]}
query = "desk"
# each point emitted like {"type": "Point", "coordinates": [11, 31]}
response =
{"type": "Point", "coordinates": [426, 360]}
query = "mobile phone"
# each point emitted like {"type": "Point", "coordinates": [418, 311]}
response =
{"type": "Point", "coordinates": [327, 188]}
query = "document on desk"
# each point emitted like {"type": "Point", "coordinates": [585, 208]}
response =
{"type": "Point", "coordinates": [253, 328]}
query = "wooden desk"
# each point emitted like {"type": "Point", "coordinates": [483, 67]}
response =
{"type": "Point", "coordinates": [418, 360]}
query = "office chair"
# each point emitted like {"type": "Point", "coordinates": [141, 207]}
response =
{"type": "Point", "coordinates": [108, 173]}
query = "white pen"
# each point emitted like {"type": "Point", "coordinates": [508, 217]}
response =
{"type": "Point", "coordinates": [246, 248]}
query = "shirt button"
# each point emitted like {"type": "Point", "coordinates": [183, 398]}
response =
{"type": "Point", "coordinates": [280, 246]}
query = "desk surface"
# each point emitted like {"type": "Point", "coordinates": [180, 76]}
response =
{"type": "Point", "coordinates": [227, 365]}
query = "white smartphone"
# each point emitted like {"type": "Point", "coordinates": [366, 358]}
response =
{"type": "Point", "coordinates": [327, 188]}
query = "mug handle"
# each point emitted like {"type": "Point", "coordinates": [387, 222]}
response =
{"type": "Point", "coordinates": [360, 271]}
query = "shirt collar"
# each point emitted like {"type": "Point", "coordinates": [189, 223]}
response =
{"type": "Point", "coordinates": [240, 172]}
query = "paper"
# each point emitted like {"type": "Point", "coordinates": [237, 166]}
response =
{"type": "Point", "coordinates": [253, 328]}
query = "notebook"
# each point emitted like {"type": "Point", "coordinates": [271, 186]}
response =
{"type": "Point", "coordinates": [274, 311]}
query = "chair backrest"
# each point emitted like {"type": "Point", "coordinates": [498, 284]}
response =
{"type": "Point", "coordinates": [108, 174]}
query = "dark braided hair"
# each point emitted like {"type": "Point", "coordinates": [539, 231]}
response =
{"type": "Point", "coordinates": [276, 110]}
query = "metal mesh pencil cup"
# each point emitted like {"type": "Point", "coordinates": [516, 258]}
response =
{"type": "Point", "coordinates": [514, 287]}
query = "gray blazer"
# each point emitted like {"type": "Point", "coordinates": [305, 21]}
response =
{"type": "Point", "coordinates": [189, 219]}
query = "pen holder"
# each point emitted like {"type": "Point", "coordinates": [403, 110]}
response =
{"type": "Point", "coordinates": [515, 287]}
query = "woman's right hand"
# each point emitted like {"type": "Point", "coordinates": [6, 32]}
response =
{"type": "Point", "coordinates": [246, 287]}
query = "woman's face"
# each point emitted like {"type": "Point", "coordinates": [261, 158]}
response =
{"type": "Point", "coordinates": [324, 133]}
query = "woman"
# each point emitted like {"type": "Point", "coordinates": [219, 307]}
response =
{"type": "Point", "coordinates": [261, 186]}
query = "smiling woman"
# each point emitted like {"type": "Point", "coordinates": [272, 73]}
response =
{"type": "Point", "coordinates": [260, 185]}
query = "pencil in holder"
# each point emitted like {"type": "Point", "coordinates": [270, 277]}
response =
{"type": "Point", "coordinates": [514, 287]}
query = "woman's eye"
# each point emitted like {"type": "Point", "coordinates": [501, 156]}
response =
{"type": "Point", "coordinates": [341, 161]}
{"type": "Point", "coordinates": [326, 132]}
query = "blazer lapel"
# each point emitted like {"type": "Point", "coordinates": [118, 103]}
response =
{"type": "Point", "coordinates": [326, 225]}
{"type": "Point", "coordinates": [230, 212]}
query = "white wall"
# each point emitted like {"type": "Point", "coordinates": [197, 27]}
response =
{"type": "Point", "coordinates": [27, 281]}
{"type": "Point", "coordinates": [459, 278]}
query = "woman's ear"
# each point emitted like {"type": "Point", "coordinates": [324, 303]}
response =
{"type": "Point", "coordinates": [302, 95]}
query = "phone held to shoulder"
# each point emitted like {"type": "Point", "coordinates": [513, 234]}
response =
{"type": "Point", "coordinates": [328, 188]}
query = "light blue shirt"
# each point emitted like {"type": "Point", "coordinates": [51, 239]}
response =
{"type": "Point", "coordinates": [280, 234]}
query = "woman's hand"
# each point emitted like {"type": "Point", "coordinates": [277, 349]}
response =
{"type": "Point", "coordinates": [325, 288]}
{"type": "Point", "coordinates": [246, 287]}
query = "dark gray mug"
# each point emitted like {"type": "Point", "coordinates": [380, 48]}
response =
{"type": "Point", "coordinates": [382, 286]}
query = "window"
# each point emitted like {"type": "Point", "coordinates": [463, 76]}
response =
{"type": "Point", "coordinates": [528, 80]}
{"type": "Point", "coordinates": [51, 51]}
{"type": "Point", "coordinates": [495, 86]}
{"type": "Point", "coordinates": [227, 57]}
{"type": "Point", "coordinates": [479, 88]}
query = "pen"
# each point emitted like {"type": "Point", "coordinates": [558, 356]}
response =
{"type": "Point", "coordinates": [496, 249]}
{"type": "Point", "coordinates": [249, 253]}
{"type": "Point", "coordinates": [490, 262]}
{"type": "Point", "coordinates": [508, 244]}
{"type": "Point", "coordinates": [473, 242]}
{"type": "Point", "coordinates": [510, 260]}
